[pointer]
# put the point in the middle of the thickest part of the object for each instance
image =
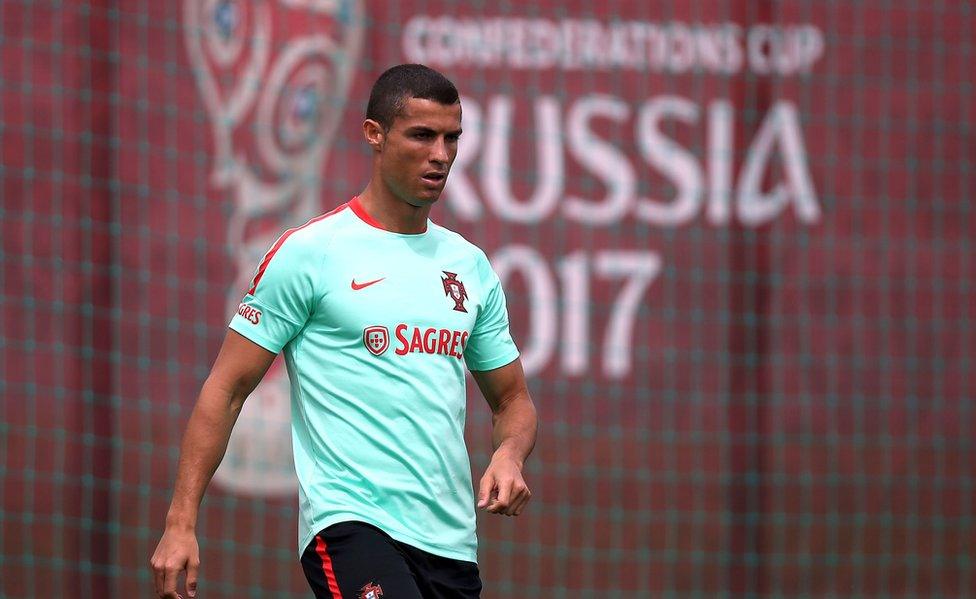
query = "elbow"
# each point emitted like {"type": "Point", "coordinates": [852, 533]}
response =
{"type": "Point", "coordinates": [239, 393]}
{"type": "Point", "coordinates": [230, 395]}
{"type": "Point", "coordinates": [236, 403]}
{"type": "Point", "coordinates": [520, 406]}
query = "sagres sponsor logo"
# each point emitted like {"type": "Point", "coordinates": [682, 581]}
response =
{"type": "Point", "coordinates": [253, 315]}
{"type": "Point", "coordinates": [444, 342]}
{"type": "Point", "coordinates": [411, 339]}
{"type": "Point", "coordinates": [376, 339]}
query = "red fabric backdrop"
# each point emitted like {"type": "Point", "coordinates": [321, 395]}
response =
{"type": "Point", "coordinates": [736, 239]}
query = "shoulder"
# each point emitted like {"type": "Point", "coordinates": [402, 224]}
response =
{"type": "Point", "coordinates": [313, 236]}
{"type": "Point", "coordinates": [458, 243]}
{"type": "Point", "coordinates": [322, 226]}
{"type": "Point", "coordinates": [302, 247]}
{"type": "Point", "coordinates": [469, 253]}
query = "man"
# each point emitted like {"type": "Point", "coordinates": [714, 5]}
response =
{"type": "Point", "coordinates": [377, 311]}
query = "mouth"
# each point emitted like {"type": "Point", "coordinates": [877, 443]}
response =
{"type": "Point", "coordinates": [434, 177]}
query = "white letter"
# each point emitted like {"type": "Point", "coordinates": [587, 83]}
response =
{"type": "Point", "coordinates": [496, 174]}
{"type": "Point", "coordinates": [678, 164]}
{"type": "Point", "coordinates": [681, 48]}
{"type": "Point", "coordinates": [574, 272]}
{"type": "Point", "coordinates": [640, 268]}
{"type": "Point", "coordinates": [413, 36]}
{"type": "Point", "coordinates": [758, 55]}
{"type": "Point", "coordinates": [541, 337]}
{"type": "Point", "coordinates": [605, 161]}
{"type": "Point", "coordinates": [734, 45]}
{"type": "Point", "coordinates": [754, 207]}
{"type": "Point", "coordinates": [461, 194]}
{"type": "Point", "coordinates": [811, 46]}
{"type": "Point", "coordinates": [720, 151]}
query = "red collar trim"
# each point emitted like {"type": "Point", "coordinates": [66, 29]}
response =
{"type": "Point", "coordinates": [364, 216]}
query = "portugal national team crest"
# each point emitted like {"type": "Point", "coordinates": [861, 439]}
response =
{"type": "Point", "coordinates": [371, 591]}
{"type": "Point", "coordinates": [454, 289]}
{"type": "Point", "coordinates": [376, 339]}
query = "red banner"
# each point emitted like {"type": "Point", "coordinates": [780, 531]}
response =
{"type": "Point", "coordinates": [736, 240]}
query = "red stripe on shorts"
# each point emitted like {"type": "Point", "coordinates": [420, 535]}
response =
{"type": "Point", "coordinates": [281, 240]}
{"type": "Point", "coordinates": [323, 552]}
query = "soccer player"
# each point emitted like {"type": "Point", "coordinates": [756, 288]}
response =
{"type": "Point", "coordinates": [378, 311]}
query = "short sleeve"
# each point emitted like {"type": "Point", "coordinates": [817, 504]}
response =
{"type": "Point", "coordinates": [491, 345]}
{"type": "Point", "coordinates": [282, 295]}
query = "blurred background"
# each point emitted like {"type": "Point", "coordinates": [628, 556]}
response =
{"type": "Point", "coordinates": [737, 239]}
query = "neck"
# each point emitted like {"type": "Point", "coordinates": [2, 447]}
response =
{"type": "Point", "coordinates": [390, 211]}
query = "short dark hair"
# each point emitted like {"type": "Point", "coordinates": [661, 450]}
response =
{"type": "Point", "coordinates": [397, 84]}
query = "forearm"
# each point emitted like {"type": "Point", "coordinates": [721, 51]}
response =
{"type": "Point", "coordinates": [204, 443]}
{"type": "Point", "coordinates": [514, 428]}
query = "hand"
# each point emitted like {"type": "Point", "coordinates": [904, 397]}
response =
{"type": "Point", "coordinates": [502, 489]}
{"type": "Point", "coordinates": [176, 551]}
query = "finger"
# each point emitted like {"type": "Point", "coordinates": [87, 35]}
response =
{"type": "Point", "coordinates": [171, 595]}
{"type": "Point", "coordinates": [493, 502]}
{"type": "Point", "coordinates": [504, 496]}
{"type": "Point", "coordinates": [169, 582]}
{"type": "Point", "coordinates": [518, 490]}
{"type": "Point", "coordinates": [520, 495]}
{"type": "Point", "coordinates": [158, 578]}
{"type": "Point", "coordinates": [520, 504]}
{"type": "Point", "coordinates": [525, 502]}
{"type": "Point", "coordinates": [191, 577]}
{"type": "Point", "coordinates": [484, 489]}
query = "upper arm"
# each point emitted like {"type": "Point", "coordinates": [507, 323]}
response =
{"type": "Point", "coordinates": [240, 365]}
{"type": "Point", "coordinates": [501, 385]}
{"type": "Point", "coordinates": [283, 294]}
{"type": "Point", "coordinates": [490, 345]}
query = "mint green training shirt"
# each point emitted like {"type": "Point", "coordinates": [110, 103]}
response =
{"type": "Point", "coordinates": [376, 329]}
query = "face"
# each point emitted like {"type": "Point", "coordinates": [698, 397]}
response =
{"type": "Point", "coordinates": [417, 152]}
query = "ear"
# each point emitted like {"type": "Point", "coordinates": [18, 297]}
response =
{"type": "Point", "coordinates": [374, 133]}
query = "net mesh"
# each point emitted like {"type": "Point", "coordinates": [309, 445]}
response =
{"type": "Point", "coordinates": [736, 239]}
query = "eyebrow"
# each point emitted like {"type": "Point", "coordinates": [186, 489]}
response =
{"type": "Point", "coordinates": [425, 129]}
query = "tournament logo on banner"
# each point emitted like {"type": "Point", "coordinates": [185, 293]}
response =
{"type": "Point", "coordinates": [274, 78]}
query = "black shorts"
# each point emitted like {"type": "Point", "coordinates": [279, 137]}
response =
{"type": "Point", "coordinates": [354, 560]}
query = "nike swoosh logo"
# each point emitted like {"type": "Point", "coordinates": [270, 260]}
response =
{"type": "Point", "coordinates": [357, 286]}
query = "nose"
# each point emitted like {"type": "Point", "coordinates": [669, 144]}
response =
{"type": "Point", "coordinates": [439, 152]}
